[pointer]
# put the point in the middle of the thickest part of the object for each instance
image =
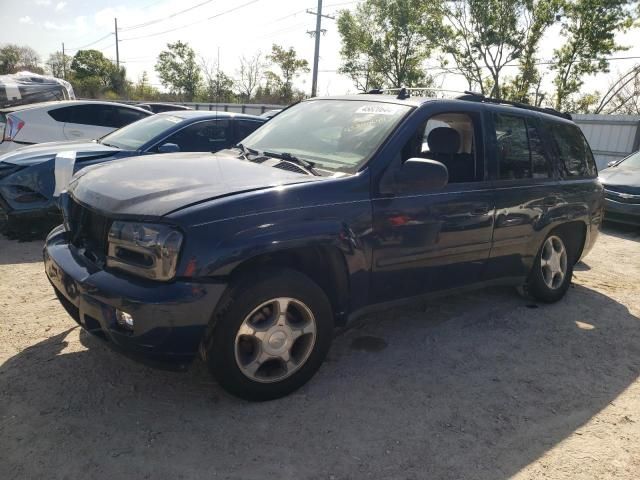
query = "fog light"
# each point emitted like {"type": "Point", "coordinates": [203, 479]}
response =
{"type": "Point", "coordinates": [124, 320]}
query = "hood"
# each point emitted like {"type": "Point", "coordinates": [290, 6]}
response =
{"type": "Point", "coordinates": [622, 178]}
{"type": "Point", "coordinates": [155, 185]}
{"type": "Point", "coordinates": [41, 152]}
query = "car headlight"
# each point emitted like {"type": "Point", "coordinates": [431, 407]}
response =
{"type": "Point", "coordinates": [144, 249]}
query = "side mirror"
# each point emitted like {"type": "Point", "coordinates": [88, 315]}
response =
{"type": "Point", "coordinates": [168, 148]}
{"type": "Point", "coordinates": [419, 175]}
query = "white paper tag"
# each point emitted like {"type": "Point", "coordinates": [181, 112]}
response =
{"type": "Point", "coordinates": [63, 171]}
{"type": "Point", "coordinates": [378, 109]}
{"type": "Point", "coordinates": [12, 91]}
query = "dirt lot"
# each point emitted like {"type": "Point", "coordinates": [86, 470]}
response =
{"type": "Point", "coordinates": [481, 386]}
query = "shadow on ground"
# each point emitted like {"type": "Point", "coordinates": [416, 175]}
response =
{"type": "Point", "coordinates": [466, 387]}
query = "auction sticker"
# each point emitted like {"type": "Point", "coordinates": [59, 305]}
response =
{"type": "Point", "coordinates": [381, 109]}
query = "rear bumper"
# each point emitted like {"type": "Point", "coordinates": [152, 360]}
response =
{"type": "Point", "coordinates": [169, 318]}
{"type": "Point", "coordinates": [619, 212]}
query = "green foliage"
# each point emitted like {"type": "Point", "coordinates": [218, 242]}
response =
{"type": "Point", "coordinates": [590, 27]}
{"type": "Point", "coordinates": [290, 67]}
{"type": "Point", "coordinates": [92, 63]}
{"type": "Point", "coordinates": [14, 58]}
{"type": "Point", "coordinates": [218, 88]}
{"type": "Point", "coordinates": [482, 36]}
{"type": "Point", "coordinates": [178, 70]}
{"type": "Point", "coordinates": [543, 14]}
{"type": "Point", "coordinates": [385, 42]}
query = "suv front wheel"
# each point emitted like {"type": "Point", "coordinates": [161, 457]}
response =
{"type": "Point", "coordinates": [552, 270]}
{"type": "Point", "coordinates": [271, 335]}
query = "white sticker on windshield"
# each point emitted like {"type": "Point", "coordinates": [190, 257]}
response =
{"type": "Point", "coordinates": [379, 109]}
{"type": "Point", "coordinates": [63, 171]}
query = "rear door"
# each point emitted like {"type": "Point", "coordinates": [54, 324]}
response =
{"type": "Point", "coordinates": [90, 121]}
{"type": "Point", "coordinates": [526, 190]}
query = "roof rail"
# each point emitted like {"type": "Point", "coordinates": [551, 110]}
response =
{"type": "Point", "coordinates": [478, 97]}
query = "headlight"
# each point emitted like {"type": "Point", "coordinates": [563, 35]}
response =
{"type": "Point", "coordinates": [144, 249]}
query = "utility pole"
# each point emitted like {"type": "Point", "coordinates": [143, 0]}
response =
{"type": "Point", "coordinates": [64, 64]}
{"type": "Point", "coordinates": [117, 48]}
{"type": "Point", "coordinates": [316, 56]}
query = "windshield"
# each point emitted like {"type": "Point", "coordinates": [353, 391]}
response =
{"type": "Point", "coordinates": [632, 161]}
{"type": "Point", "coordinates": [337, 135]}
{"type": "Point", "coordinates": [135, 135]}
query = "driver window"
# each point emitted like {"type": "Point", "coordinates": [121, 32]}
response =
{"type": "Point", "coordinates": [449, 138]}
{"type": "Point", "coordinates": [209, 136]}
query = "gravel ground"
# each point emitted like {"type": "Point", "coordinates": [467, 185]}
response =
{"type": "Point", "coordinates": [485, 385]}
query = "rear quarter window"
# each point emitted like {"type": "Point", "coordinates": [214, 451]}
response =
{"type": "Point", "coordinates": [574, 154]}
{"type": "Point", "coordinates": [61, 114]}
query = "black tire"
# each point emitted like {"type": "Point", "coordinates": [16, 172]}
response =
{"type": "Point", "coordinates": [246, 294]}
{"type": "Point", "coordinates": [536, 285]}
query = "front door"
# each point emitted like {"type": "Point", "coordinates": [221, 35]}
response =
{"type": "Point", "coordinates": [437, 239]}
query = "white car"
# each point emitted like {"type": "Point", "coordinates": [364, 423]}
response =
{"type": "Point", "coordinates": [66, 120]}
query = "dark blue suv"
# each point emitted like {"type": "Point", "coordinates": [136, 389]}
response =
{"type": "Point", "coordinates": [253, 255]}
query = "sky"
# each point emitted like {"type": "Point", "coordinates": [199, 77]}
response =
{"type": "Point", "coordinates": [231, 27]}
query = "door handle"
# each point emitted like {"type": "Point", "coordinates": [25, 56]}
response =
{"type": "Point", "coordinates": [75, 133]}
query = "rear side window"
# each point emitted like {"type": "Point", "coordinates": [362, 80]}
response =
{"type": "Point", "coordinates": [97, 115]}
{"type": "Point", "coordinates": [576, 159]}
{"type": "Point", "coordinates": [520, 150]}
{"type": "Point", "coordinates": [128, 115]}
{"type": "Point", "coordinates": [61, 114]}
{"type": "Point", "coordinates": [244, 128]}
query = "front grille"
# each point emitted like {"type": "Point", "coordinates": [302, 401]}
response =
{"type": "Point", "coordinates": [621, 197]}
{"type": "Point", "coordinates": [88, 231]}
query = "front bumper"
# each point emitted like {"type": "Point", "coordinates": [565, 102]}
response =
{"type": "Point", "coordinates": [620, 212]}
{"type": "Point", "coordinates": [169, 318]}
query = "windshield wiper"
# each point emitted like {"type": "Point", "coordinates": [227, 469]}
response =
{"type": "Point", "coordinates": [287, 157]}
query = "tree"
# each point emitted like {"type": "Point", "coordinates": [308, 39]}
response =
{"type": "Point", "coordinates": [59, 65]}
{"type": "Point", "coordinates": [385, 42]}
{"type": "Point", "coordinates": [14, 58]}
{"type": "Point", "coordinates": [92, 64]}
{"type": "Point", "coordinates": [543, 14]}
{"type": "Point", "coordinates": [178, 70]}
{"type": "Point", "coordinates": [249, 75]}
{"type": "Point", "coordinates": [590, 27]}
{"type": "Point", "coordinates": [218, 86]}
{"type": "Point", "coordinates": [485, 35]}
{"type": "Point", "coordinates": [290, 67]}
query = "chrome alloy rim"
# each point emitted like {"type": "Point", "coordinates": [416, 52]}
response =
{"type": "Point", "coordinates": [275, 340]}
{"type": "Point", "coordinates": [553, 262]}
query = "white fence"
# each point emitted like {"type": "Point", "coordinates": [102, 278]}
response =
{"type": "Point", "coordinates": [611, 137]}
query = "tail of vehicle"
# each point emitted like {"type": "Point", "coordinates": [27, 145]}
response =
{"type": "Point", "coordinates": [11, 126]}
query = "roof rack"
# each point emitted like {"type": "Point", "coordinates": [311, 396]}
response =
{"type": "Point", "coordinates": [406, 92]}
{"type": "Point", "coordinates": [478, 97]}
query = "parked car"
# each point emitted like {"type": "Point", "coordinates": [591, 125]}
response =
{"type": "Point", "coordinates": [335, 207]}
{"type": "Point", "coordinates": [271, 113]}
{"type": "Point", "coordinates": [65, 120]}
{"type": "Point", "coordinates": [28, 175]}
{"type": "Point", "coordinates": [162, 107]}
{"type": "Point", "coordinates": [621, 181]}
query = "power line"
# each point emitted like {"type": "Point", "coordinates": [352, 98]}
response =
{"type": "Point", "coordinates": [92, 43]}
{"type": "Point", "coordinates": [158, 20]}
{"type": "Point", "coordinates": [192, 23]}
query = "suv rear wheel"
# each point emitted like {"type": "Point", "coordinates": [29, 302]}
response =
{"type": "Point", "coordinates": [271, 335]}
{"type": "Point", "coordinates": [552, 270]}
